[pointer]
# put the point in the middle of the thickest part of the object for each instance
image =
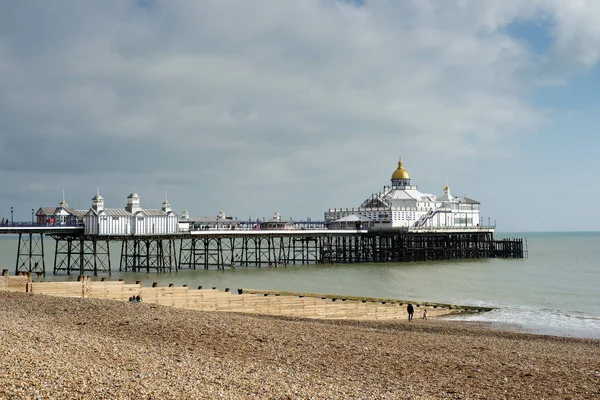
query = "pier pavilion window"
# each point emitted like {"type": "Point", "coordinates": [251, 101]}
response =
{"type": "Point", "coordinates": [463, 220]}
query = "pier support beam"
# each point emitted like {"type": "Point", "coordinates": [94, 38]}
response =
{"type": "Point", "coordinates": [30, 254]}
{"type": "Point", "coordinates": [81, 255]}
{"type": "Point", "coordinates": [147, 254]}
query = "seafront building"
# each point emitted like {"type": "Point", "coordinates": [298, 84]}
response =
{"type": "Point", "coordinates": [220, 222]}
{"type": "Point", "coordinates": [276, 223]}
{"type": "Point", "coordinates": [132, 220]}
{"type": "Point", "coordinates": [63, 215]}
{"type": "Point", "coordinates": [402, 205]}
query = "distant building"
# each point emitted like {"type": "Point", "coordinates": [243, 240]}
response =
{"type": "Point", "coordinates": [132, 220]}
{"type": "Point", "coordinates": [219, 222]}
{"type": "Point", "coordinates": [62, 215]}
{"type": "Point", "coordinates": [402, 205]}
{"type": "Point", "coordinates": [184, 221]}
{"type": "Point", "coordinates": [276, 223]}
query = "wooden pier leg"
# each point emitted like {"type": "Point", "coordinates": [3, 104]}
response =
{"type": "Point", "coordinates": [108, 258]}
{"type": "Point", "coordinates": [95, 256]}
{"type": "Point", "coordinates": [206, 252]}
{"type": "Point", "coordinates": [55, 255]}
{"type": "Point", "coordinates": [18, 254]}
{"type": "Point", "coordinates": [43, 259]}
{"type": "Point", "coordinates": [123, 256]}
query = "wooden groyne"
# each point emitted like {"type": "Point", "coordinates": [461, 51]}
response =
{"type": "Point", "coordinates": [335, 297]}
{"type": "Point", "coordinates": [14, 283]}
{"type": "Point", "coordinates": [252, 301]}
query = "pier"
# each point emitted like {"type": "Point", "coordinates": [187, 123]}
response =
{"type": "Point", "coordinates": [81, 254]}
{"type": "Point", "coordinates": [397, 224]}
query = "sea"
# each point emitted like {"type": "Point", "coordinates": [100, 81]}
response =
{"type": "Point", "coordinates": [555, 290]}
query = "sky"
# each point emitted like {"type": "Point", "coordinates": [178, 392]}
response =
{"type": "Point", "coordinates": [301, 105]}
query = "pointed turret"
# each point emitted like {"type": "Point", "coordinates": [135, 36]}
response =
{"type": "Point", "coordinates": [98, 201]}
{"type": "Point", "coordinates": [166, 206]}
{"type": "Point", "coordinates": [133, 202]}
{"type": "Point", "coordinates": [447, 196]}
{"type": "Point", "coordinates": [63, 203]}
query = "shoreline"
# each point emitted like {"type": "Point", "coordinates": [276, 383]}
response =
{"type": "Point", "coordinates": [531, 327]}
{"type": "Point", "coordinates": [510, 320]}
{"type": "Point", "coordinates": [69, 347]}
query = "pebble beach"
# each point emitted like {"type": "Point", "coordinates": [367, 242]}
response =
{"type": "Point", "coordinates": [69, 348]}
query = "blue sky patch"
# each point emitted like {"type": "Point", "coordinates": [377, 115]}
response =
{"type": "Point", "coordinates": [536, 34]}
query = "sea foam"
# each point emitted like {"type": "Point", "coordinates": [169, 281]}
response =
{"type": "Point", "coordinates": [538, 320]}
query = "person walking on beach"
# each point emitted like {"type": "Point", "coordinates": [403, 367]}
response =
{"type": "Point", "coordinates": [424, 313]}
{"type": "Point", "coordinates": [410, 311]}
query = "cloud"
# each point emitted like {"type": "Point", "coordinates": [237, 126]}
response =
{"type": "Point", "coordinates": [266, 100]}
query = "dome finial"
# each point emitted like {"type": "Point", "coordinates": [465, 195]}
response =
{"type": "Point", "coordinates": [166, 198]}
{"type": "Point", "coordinates": [400, 172]}
{"type": "Point", "coordinates": [63, 203]}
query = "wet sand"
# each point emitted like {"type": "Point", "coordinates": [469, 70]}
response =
{"type": "Point", "coordinates": [53, 347]}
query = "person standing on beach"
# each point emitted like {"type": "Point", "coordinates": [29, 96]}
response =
{"type": "Point", "coordinates": [424, 313]}
{"type": "Point", "coordinates": [410, 311]}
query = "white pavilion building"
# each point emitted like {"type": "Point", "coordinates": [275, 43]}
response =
{"type": "Point", "coordinates": [132, 220]}
{"type": "Point", "coordinates": [61, 215]}
{"type": "Point", "coordinates": [401, 205]}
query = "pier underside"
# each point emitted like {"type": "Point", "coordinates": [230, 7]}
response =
{"type": "Point", "coordinates": [276, 250]}
{"type": "Point", "coordinates": [80, 254]}
{"type": "Point", "coordinates": [30, 254]}
{"type": "Point", "coordinates": [148, 254]}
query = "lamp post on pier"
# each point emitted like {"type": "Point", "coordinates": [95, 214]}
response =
{"type": "Point", "coordinates": [32, 216]}
{"type": "Point", "coordinates": [11, 215]}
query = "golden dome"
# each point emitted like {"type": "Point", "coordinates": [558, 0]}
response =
{"type": "Point", "coordinates": [400, 172]}
{"type": "Point", "coordinates": [447, 188]}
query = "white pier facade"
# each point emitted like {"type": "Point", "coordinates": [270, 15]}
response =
{"type": "Point", "coordinates": [403, 205]}
{"type": "Point", "coordinates": [132, 220]}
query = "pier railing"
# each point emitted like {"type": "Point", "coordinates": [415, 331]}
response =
{"type": "Point", "coordinates": [28, 224]}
